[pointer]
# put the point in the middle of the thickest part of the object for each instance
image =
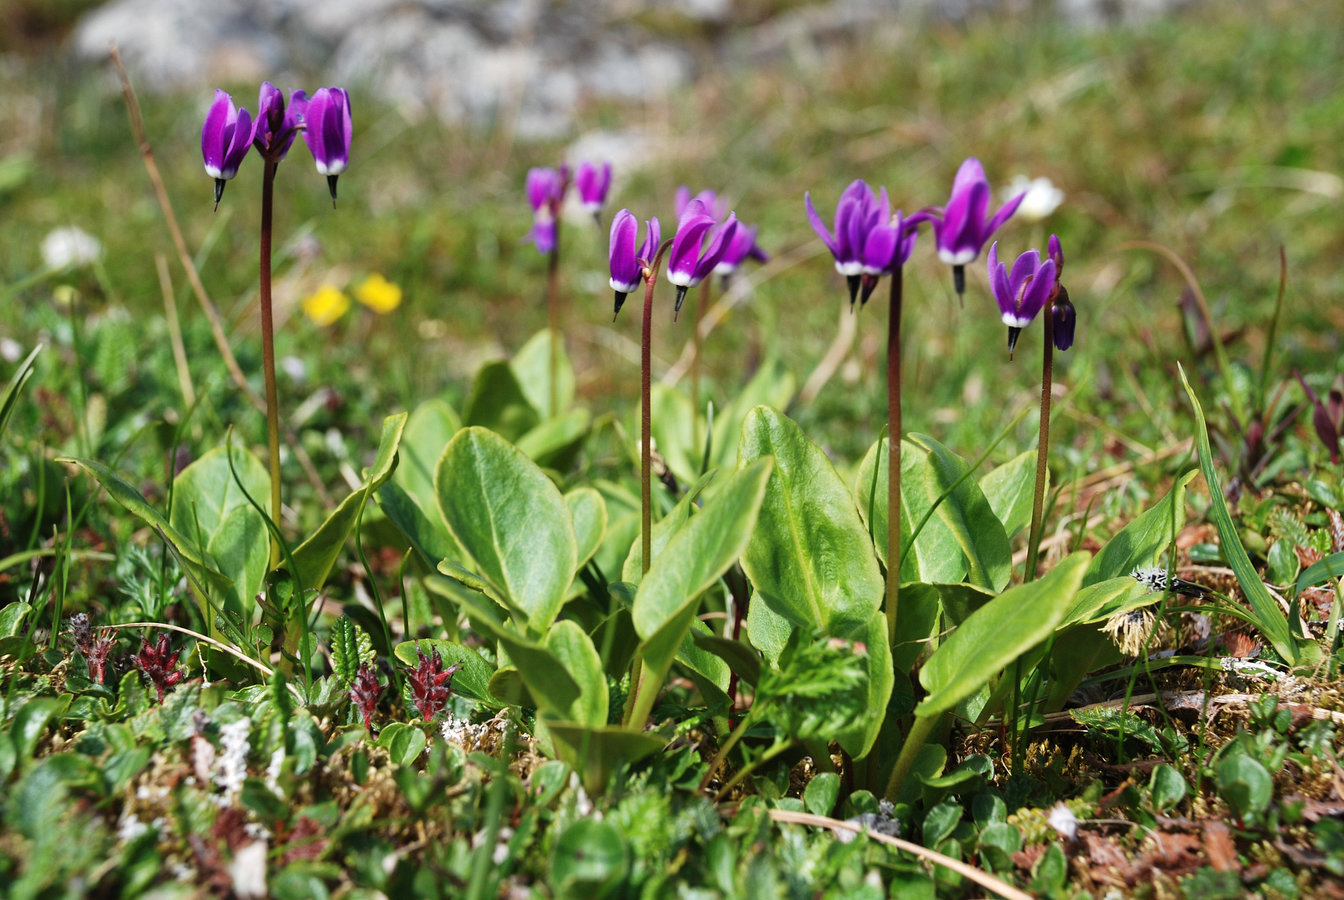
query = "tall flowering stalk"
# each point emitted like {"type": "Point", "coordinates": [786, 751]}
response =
{"type": "Point", "coordinates": [272, 133]}
{"type": "Point", "coordinates": [868, 243]}
{"type": "Point", "coordinates": [546, 193]}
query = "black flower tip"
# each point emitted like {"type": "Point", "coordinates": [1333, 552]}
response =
{"type": "Point", "coordinates": [853, 281]}
{"type": "Point", "coordinates": [868, 283]}
{"type": "Point", "coordinates": [331, 186]}
{"type": "Point", "coordinates": [681, 296]}
{"type": "Point", "coordinates": [620, 301]}
{"type": "Point", "coordinates": [1012, 339]}
{"type": "Point", "coordinates": [959, 282]}
{"type": "Point", "coordinates": [219, 190]}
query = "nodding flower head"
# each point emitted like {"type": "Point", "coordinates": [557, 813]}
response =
{"type": "Point", "coordinates": [712, 202]}
{"type": "Point", "coordinates": [546, 191]}
{"type": "Point", "coordinates": [627, 265]}
{"type": "Point", "coordinates": [742, 247]}
{"type": "Point", "coordinates": [1022, 291]}
{"type": "Point", "coordinates": [961, 228]}
{"type": "Point", "coordinates": [886, 249]}
{"type": "Point", "coordinates": [593, 183]}
{"type": "Point", "coordinates": [1064, 320]}
{"type": "Point", "coordinates": [226, 136]}
{"type": "Point", "coordinates": [277, 125]}
{"type": "Point", "coordinates": [327, 132]}
{"type": "Point", "coordinates": [856, 215]}
{"type": "Point", "coordinates": [687, 266]}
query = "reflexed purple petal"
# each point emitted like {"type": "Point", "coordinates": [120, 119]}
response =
{"type": "Point", "coordinates": [738, 249]}
{"type": "Point", "coordinates": [1024, 267]}
{"type": "Point", "coordinates": [328, 130]}
{"type": "Point", "coordinates": [685, 252]}
{"type": "Point", "coordinates": [820, 227]}
{"type": "Point", "coordinates": [1002, 215]}
{"type": "Point", "coordinates": [971, 172]}
{"type": "Point", "coordinates": [625, 268]}
{"type": "Point", "coordinates": [653, 239]}
{"type": "Point", "coordinates": [539, 183]}
{"type": "Point", "coordinates": [1064, 321]}
{"type": "Point", "coordinates": [593, 183]}
{"type": "Point", "coordinates": [717, 247]}
{"type": "Point", "coordinates": [216, 132]}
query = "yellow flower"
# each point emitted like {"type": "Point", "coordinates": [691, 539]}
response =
{"type": "Point", "coordinates": [378, 294]}
{"type": "Point", "coordinates": [325, 305]}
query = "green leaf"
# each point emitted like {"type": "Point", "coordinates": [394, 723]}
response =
{"type": "Point", "coordinates": [577, 655]}
{"type": "Point", "coordinates": [1244, 784]}
{"type": "Point", "coordinates": [531, 365]}
{"type": "Point", "coordinates": [12, 617]}
{"type": "Point", "coordinates": [551, 686]}
{"type": "Point", "coordinates": [588, 511]}
{"type": "Point", "coordinates": [1317, 573]}
{"type": "Point", "coordinates": [497, 402]}
{"type": "Point", "coordinates": [696, 557]}
{"type": "Point", "coordinates": [550, 440]}
{"type": "Point", "coordinates": [427, 534]}
{"type": "Point", "coordinates": [663, 530]}
{"type": "Point", "coordinates": [1010, 490]}
{"type": "Point", "coordinates": [472, 679]}
{"type": "Point", "coordinates": [590, 857]}
{"type": "Point", "coordinates": [403, 742]}
{"type": "Point", "coordinates": [996, 634]}
{"type": "Point", "coordinates": [821, 793]}
{"type": "Point", "coordinates": [604, 748]}
{"type": "Point", "coordinates": [15, 386]}
{"type": "Point", "coordinates": [1168, 787]}
{"type": "Point", "coordinates": [199, 565]}
{"type": "Point", "coordinates": [429, 428]}
{"type": "Point", "coordinates": [1143, 541]}
{"type": "Point", "coordinates": [31, 721]}
{"type": "Point", "coordinates": [934, 555]}
{"type": "Point", "coordinates": [1270, 620]}
{"type": "Point", "coordinates": [968, 515]}
{"type": "Point", "coordinates": [810, 558]}
{"type": "Point", "coordinates": [315, 557]}
{"type": "Point", "coordinates": [511, 520]}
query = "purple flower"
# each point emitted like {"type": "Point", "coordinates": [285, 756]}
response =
{"type": "Point", "coordinates": [159, 663]}
{"type": "Point", "coordinates": [275, 128]}
{"type": "Point", "coordinates": [627, 266]}
{"type": "Point", "coordinates": [545, 191]}
{"type": "Point", "coordinates": [887, 248]}
{"type": "Point", "coordinates": [431, 684]}
{"type": "Point", "coordinates": [1056, 253]}
{"type": "Point", "coordinates": [961, 228]}
{"type": "Point", "coordinates": [1063, 319]}
{"type": "Point", "coordinates": [687, 266]}
{"type": "Point", "coordinates": [742, 247]}
{"type": "Point", "coordinates": [226, 137]}
{"type": "Point", "coordinates": [593, 184]}
{"type": "Point", "coordinates": [327, 132]}
{"type": "Point", "coordinates": [1022, 292]}
{"type": "Point", "coordinates": [711, 201]}
{"type": "Point", "coordinates": [856, 215]}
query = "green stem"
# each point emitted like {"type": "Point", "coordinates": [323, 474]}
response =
{"type": "Point", "coordinates": [724, 749]}
{"type": "Point", "coordinates": [268, 349]}
{"type": "Point", "coordinates": [919, 733]}
{"type": "Point", "coordinates": [1043, 443]}
{"type": "Point", "coordinates": [894, 455]}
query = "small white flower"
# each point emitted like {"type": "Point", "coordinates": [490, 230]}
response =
{"type": "Point", "coordinates": [231, 769]}
{"type": "Point", "coordinates": [11, 351]}
{"type": "Point", "coordinates": [1042, 198]}
{"type": "Point", "coordinates": [295, 368]}
{"type": "Point", "coordinates": [70, 247]}
{"type": "Point", "coordinates": [1064, 822]}
{"type": "Point", "coordinates": [130, 828]}
{"type": "Point", "coordinates": [248, 870]}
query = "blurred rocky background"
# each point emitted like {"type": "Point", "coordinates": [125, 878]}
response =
{"type": "Point", "coordinates": [524, 65]}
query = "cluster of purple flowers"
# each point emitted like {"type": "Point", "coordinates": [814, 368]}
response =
{"type": "Point", "coordinates": [870, 241]}
{"type": "Point", "coordinates": [229, 132]}
{"type": "Point", "coordinates": [707, 241]}
{"type": "Point", "coordinates": [546, 189]}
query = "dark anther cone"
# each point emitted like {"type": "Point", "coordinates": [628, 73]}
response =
{"type": "Point", "coordinates": [331, 186]}
{"type": "Point", "coordinates": [219, 190]}
{"type": "Point", "coordinates": [620, 301]}
{"type": "Point", "coordinates": [868, 285]}
{"type": "Point", "coordinates": [681, 295]}
{"type": "Point", "coordinates": [853, 281]}
{"type": "Point", "coordinates": [1012, 339]}
{"type": "Point", "coordinates": [959, 279]}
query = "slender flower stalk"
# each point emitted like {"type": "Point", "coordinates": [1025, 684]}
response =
{"type": "Point", "coordinates": [546, 192]}
{"type": "Point", "coordinates": [268, 348]}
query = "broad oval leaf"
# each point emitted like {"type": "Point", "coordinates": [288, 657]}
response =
{"type": "Point", "coordinates": [429, 428]}
{"type": "Point", "coordinates": [1010, 490]}
{"type": "Point", "coordinates": [511, 520]}
{"type": "Point", "coordinates": [968, 515]}
{"type": "Point", "coordinates": [576, 653]}
{"type": "Point", "coordinates": [531, 365]}
{"type": "Point", "coordinates": [497, 402]}
{"type": "Point", "coordinates": [810, 558]}
{"type": "Point", "coordinates": [934, 555]}
{"type": "Point", "coordinates": [996, 634]}
{"type": "Point", "coordinates": [588, 512]}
